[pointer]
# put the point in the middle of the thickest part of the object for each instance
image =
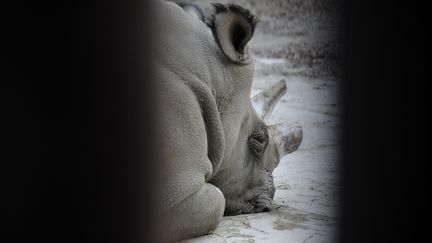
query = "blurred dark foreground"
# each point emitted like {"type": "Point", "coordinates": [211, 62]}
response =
{"type": "Point", "coordinates": [79, 134]}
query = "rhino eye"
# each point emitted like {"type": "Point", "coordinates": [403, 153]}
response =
{"type": "Point", "coordinates": [258, 141]}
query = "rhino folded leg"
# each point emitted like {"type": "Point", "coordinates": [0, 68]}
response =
{"type": "Point", "coordinates": [198, 214]}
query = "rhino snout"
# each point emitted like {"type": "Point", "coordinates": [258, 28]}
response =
{"type": "Point", "coordinates": [263, 205]}
{"type": "Point", "coordinates": [263, 201]}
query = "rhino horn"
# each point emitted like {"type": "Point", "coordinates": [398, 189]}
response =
{"type": "Point", "coordinates": [265, 101]}
{"type": "Point", "coordinates": [286, 136]}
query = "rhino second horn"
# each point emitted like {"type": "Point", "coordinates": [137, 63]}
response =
{"type": "Point", "coordinates": [287, 137]}
{"type": "Point", "coordinates": [265, 101]}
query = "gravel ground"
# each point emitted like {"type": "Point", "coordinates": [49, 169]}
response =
{"type": "Point", "coordinates": [296, 41]}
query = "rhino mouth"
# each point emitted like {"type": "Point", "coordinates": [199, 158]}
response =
{"type": "Point", "coordinates": [260, 201]}
{"type": "Point", "coordinates": [263, 203]}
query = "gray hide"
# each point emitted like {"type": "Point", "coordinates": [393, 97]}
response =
{"type": "Point", "coordinates": [219, 153]}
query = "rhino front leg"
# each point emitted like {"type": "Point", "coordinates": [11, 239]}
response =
{"type": "Point", "coordinates": [197, 215]}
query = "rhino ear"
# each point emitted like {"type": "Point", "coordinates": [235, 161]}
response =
{"type": "Point", "coordinates": [233, 27]}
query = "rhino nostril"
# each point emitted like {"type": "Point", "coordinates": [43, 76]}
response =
{"type": "Point", "coordinates": [267, 209]}
{"type": "Point", "coordinates": [260, 209]}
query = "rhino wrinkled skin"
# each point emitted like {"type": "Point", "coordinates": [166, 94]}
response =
{"type": "Point", "coordinates": [218, 152]}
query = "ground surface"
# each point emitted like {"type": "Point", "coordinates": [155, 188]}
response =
{"type": "Point", "coordinates": [295, 41]}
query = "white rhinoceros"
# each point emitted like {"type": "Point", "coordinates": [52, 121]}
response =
{"type": "Point", "coordinates": [219, 152]}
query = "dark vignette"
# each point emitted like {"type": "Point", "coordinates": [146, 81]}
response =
{"type": "Point", "coordinates": [386, 121]}
{"type": "Point", "coordinates": [79, 138]}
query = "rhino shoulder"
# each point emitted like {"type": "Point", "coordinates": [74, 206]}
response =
{"type": "Point", "coordinates": [192, 136]}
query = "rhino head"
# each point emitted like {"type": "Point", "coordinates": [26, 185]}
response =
{"type": "Point", "coordinates": [245, 177]}
{"type": "Point", "coordinates": [253, 148]}
{"type": "Point", "coordinates": [207, 49]}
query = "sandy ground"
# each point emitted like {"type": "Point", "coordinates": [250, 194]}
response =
{"type": "Point", "coordinates": [295, 41]}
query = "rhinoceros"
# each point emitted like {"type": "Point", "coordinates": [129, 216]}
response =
{"type": "Point", "coordinates": [218, 151]}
